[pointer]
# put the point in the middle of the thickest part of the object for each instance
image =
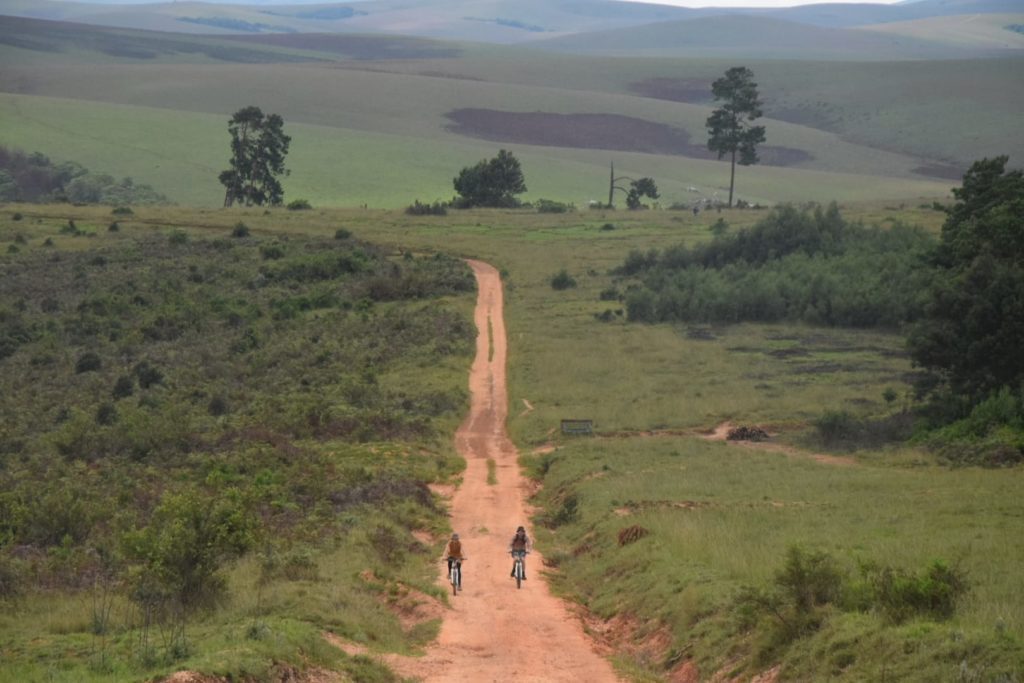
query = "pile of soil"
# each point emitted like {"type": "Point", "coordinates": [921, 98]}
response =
{"type": "Point", "coordinates": [747, 434]}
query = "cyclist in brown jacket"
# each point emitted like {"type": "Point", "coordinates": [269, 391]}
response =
{"type": "Point", "coordinates": [453, 551]}
{"type": "Point", "coordinates": [520, 544]}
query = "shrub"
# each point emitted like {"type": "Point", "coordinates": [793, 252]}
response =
{"type": "Point", "coordinates": [551, 206]}
{"type": "Point", "coordinates": [88, 362]}
{"type": "Point", "coordinates": [562, 280]}
{"type": "Point", "coordinates": [113, 227]}
{"type": "Point", "coordinates": [147, 374]}
{"type": "Point", "coordinates": [567, 512]}
{"type": "Point", "coordinates": [16, 216]}
{"type": "Point", "coordinates": [609, 294]}
{"type": "Point", "coordinates": [123, 387]}
{"type": "Point", "coordinates": [11, 578]}
{"type": "Point", "coordinates": [342, 234]}
{"type": "Point", "coordinates": [608, 227]}
{"type": "Point", "coordinates": [420, 209]}
{"type": "Point", "coordinates": [48, 242]}
{"type": "Point", "coordinates": [12, 249]}
{"type": "Point", "coordinates": [299, 205]}
{"type": "Point", "coordinates": [809, 579]}
{"type": "Point", "coordinates": [271, 251]}
{"type": "Point", "coordinates": [835, 426]}
{"type": "Point", "coordinates": [218, 406]}
{"type": "Point", "coordinates": [122, 211]}
{"type": "Point", "coordinates": [240, 230]}
{"type": "Point", "coordinates": [934, 592]}
{"type": "Point", "coordinates": [177, 237]}
{"type": "Point", "coordinates": [106, 414]}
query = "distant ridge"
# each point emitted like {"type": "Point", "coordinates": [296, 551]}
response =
{"type": "Point", "coordinates": [753, 36]}
{"type": "Point", "coordinates": [487, 21]}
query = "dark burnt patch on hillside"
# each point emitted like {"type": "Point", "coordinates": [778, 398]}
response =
{"type": "Point", "coordinates": [596, 131]}
{"type": "Point", "coordinates": [690, 90]}
{"type": "Point", "coordinates": [941, 171]}
{"type": "Point", "coordinates": [356, 47]}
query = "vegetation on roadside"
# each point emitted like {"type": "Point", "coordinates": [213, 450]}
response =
{"type": "Point", "coordinates": [175, 401]}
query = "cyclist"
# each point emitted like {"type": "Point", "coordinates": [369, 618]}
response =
{"type": "Point", "coordinates": [454, 552]}
{"type": "Point", "coordinates": [520, 545]}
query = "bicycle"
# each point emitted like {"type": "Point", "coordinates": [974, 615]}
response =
{"type": "Point", "coordinates": [455, 575]}
{"type": "Point", "coordinates": [519, 566]}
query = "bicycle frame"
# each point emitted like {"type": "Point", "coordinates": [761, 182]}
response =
{"type": "Point", "coordinates": [519, 566]}
{"type": "Point", "coordinates": [455, 576]}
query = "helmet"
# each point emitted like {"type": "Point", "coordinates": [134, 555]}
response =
{"type": "Point", "coordinates": [520, 529]}
{"type": "Point", "coordinates": [455, 537]}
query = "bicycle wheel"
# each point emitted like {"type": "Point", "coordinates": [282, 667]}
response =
{"type": "Point", "coordinates": [519, 574]}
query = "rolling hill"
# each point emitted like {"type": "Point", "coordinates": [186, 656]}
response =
{"type": "Point", "coordinates": [493, 21]}
{"type": "Point", "coordinates": [759, 37]}
{"type": "Point", "coordinates": [388, 119]}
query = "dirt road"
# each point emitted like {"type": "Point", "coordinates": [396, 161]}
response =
{"type": "Point", "coordinates": [495, 632]}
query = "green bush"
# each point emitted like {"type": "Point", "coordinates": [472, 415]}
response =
{"type": "Point", "coordinates": [147, 374]}
{"type": "Point", "coordinates": [299, 205]}
{"type": "Point", "coordinates": [562, 280]}
{"type": "Point", "coordinates": [88, 362]}
{"type": "Point", "coordinates": [178, 237]}
{"type": "Point", "coordinates": [271, 252]}
{"type": "Point", "coordinates": [342, 234]}
{"type": "Point", "coordinates": [551, 206]}
{"type": "Point", "coordinates": [421, 209]}
{"type": "Point", "coordinates": [122, 211]}
{"type": "Point", "coordinates": [123, 387]}
{"type": "Point", "coordinates": [11, 577]}
{"type": "Point", "coordinates": [809, 579]}
{"type": "Point", "coordinates": [835, 426]}
{"type": "Point", "coordinates": [934, 592]}
{"type": "Point", "coordinates": [106, 414]}
{"type": "Point", "coordinates": [240, 230]}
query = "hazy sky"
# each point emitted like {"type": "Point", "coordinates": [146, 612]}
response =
{"type": "Point", "coordinates": [755, 3]}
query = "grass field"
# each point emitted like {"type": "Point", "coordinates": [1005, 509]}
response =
{"type": "Point", "coordinates": [719, 517]}
{"type": "Point", "coordinates": [369, 131]}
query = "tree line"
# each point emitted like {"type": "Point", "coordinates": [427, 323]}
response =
{"type": "Point", "coordinates": [35, 178]}
{"type": "Point", "coordinates": [958, 299]}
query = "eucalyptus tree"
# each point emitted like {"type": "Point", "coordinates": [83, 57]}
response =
{"type": "Point", "coordinates": [258, 150]}
{"type": "Point", "coordinates": [730, 127]}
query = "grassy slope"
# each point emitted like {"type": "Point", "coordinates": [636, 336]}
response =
{"type": "Point", "coordinates": [47, 633]}
{"type": "Point", "coordinates": [965, 30]}
{"type": "Point", "coordinates": [895, 507]}
{"type": "Point", "coordinates": [749, 37]}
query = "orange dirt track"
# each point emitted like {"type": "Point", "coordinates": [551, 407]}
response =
{"type": "Point", "coordinates": [495, 632]}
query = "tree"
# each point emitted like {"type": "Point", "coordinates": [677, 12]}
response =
{"type": "Point", "coordinates": [729, 126]}
{"type": "Point", "coordinates": [644, 187]}
{"type": "Point", "coordinates": [493, 182]}
{"type": "Point", "coordinates": [258, 149]}
{"type": "Point", "coordinates": [969, 340]}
